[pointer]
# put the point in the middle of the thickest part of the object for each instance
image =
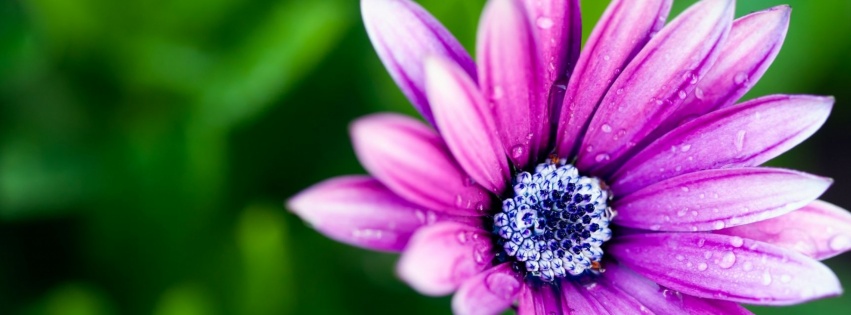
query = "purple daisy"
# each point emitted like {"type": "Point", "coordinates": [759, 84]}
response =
{"type": "Point", "coordinates": [622, 179]}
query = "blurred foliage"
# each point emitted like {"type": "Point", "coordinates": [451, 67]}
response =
{"type": "Point", "coordinates": [146, 148]}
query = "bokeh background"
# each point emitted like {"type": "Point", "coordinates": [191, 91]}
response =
{"type": "Point", "coordinates": [146, 149]}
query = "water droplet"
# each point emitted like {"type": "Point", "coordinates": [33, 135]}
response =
{"type": "Point", "coordinates": [682, 94]}
{"type": "Point", "coordinates": [682, 212]}
{"type": "Point", "coordinates": [698, 93]}
{"type": "Point", "coordinates": [517, 151]}
{"type": "Point", "coordinates": [707, 255]}
{"type": "Point", "coordinates": [462, 237]}
{"type": "Point", "coordinates": [685, 147]}
{"type": "Point", "coordinates": [727, 260]}
{"type": "Point", "coordinates": [655, 227]}
{"type": "Point", "coordinates": [718, 225]}
{"type": "Point", "coordinates": [684, 189]}
{"type": "Point", "coordinates": [602, 157]}
{"type": "Point", "coordinates": [700, 242]}
{"type": "Point", "coordinates": [606, 128]}
{"type": "Point", "coordinates": [766, 277]}
{"type": "Point", "coordinates": [606, 57]}
{"type": "Point", "coordinates": [702, 266]}
{"type": "Point", "coordinates": [544, 22]}
{"type": "Point", "coordinates": [741, 78]}
{"type": "Point", "coordinates": [736, 241]}
{"type": "Point", "coordinates": [619, 91]}
{"type": "Point", "coordinates": [740, 140]}
{"type": "Point", "coordinates": [680, 257]}
{"type": "Point", "coordinates": [747, 266]}
{"type": "Point", "coordinates": [497, 93]}
{"type": "Point", "coordinates": [839, 242]}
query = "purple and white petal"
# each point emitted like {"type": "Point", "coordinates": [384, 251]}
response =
{"type": "Point", "coordinates": [754, 41]}
{"type": "Point", "coordinates": [404, 34]}
{"type": "Point", "coordinates": [511, 75]}
{"type": "Point", "coordinates": [662, 300]}
{"type": "Point", "coordinates": [468, 128]}
{"type": "Point", "coordinates": [614, 299]}
{"type": "Point", "coordinates": [819, 230]}
{"type": "Point", "coordinates": [619, 35]}
{"type": "Point", "coordinates": [577, 300]}
{"type": "Point", "coordinates": [360, 211]}
{"type": "Point", "coordinates": [413, 161]}
{"type": "Point", "coordinates": [725, 267]}
{"type": "Point", "coordinates": [747, 134]}
{"type": "Point", "coordinates": [440, 257]}
{"type": "Point", "coordinates": [655, 83]}
{"type": "Point", "coordinates": [559, 29]}
{"type": "Point", "coordinates": [488, 293]}
{"type": "Point", "coordinates": [715, 199]}
{"type": "Point", "coordinates": [536, 298]}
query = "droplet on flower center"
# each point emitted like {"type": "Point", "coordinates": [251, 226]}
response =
{"type": "Point", "coordinates": [555, 222]}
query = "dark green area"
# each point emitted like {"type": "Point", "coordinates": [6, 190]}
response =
{"type": "Point", "coordinates": [146, 148]}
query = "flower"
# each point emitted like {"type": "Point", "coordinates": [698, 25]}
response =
{"type": "Point", "coordinates": [622, 179]}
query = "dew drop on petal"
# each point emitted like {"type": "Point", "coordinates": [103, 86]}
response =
{"type": "Point", "coordinates": [517, 151]}
{"type": "Point", "coordinates": [727, 260]}
{"type": "Point", "coordinates": [741, 78]}
{"type": "Point", "coordinates": [685, 147]}
{"type": "Point", "coordinates": [462, 237]}
{"type": "Point", "coordinates": [747, 266]}
{"type": "Point", "coordinates": [544, 22]}
{"type": "Point", "coordinates": [766, 277]}
{"type": "Point", "coordinates": [606, 128]}
{"type": "Point", "coordinates": [839, 242]}
{"type": "Point", "coordinates": [680, 257]}
{"type": "Point", "coordinates": [698, 93]}
{"type": "Point", "coordinates": [682, 94]}
{"type": "Point", "coordinates": [736, 241]}
{"type": "Point", "coordinates": [702, 266]}
{"type": "Point", "coordinates": [740, 140]}
{"type": "Point", "coordinates": [602, 157]}
{"type": "Point", "coordinates": [718, 225]}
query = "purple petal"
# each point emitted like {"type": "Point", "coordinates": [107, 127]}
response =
{"type": "Point", "coordinates": [655, 83]}
{"type": "Point", "coordinates": [442, 256]}
{"type": "Point", "coordinates": [619, 35]}
{"type": "Point", "coordinates": [578, 301]}
{"type": "Point", "coordinates": [360, 211]}
{"type": "Point", "coordinates": [747, 134]}
{"type": "Point", "coordinates": [726, 268]}
{"type": "Point", "coordinates": [666, 301]}
{"type": "Point", "coordinates": [615, 300]}
{"type": "Point", "coordinates": [468, 128]}
{"type": "Point", "coordinates": [819, 230]}
{"type": "Point", "coordinates": [754, 41]}
{"type": "Point", "coordinates": [559, 29]}
{"type": "Point", "coordinates": [414, 162]}
{"type": "Point", "coordinates": [714, 199]}
{"type": "Point", "coordinates": [537, 298]}
{"type": "Point", "coordinates": [490, 292]}
{"type": "Point", "coordinates": [404, 34]}
{"type": "Point", "coordinates": [511, 76]}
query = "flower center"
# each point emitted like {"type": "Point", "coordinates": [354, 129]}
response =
{"type": "Point", "coordinates": [556, 221]}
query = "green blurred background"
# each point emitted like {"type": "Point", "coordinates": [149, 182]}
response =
{"type": "Point", "coordinates": [146, 148]}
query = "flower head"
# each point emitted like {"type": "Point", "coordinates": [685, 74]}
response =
{"type": "Point", "coordinates": [622, 179]}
